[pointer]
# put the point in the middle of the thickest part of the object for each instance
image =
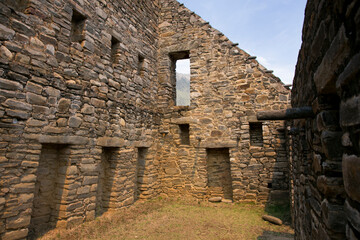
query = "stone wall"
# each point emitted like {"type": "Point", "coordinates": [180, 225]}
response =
{"type": "Point", "coordinates": [74, 108]}
{"type": "Point", "coordinates": [326, 150]}
{"type": "Point", "coordinates": [88, 120]}
{"type": "Point", "coordinates": [227, 88]}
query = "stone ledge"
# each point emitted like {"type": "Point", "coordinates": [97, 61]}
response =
{"type": "Point", "coordinates": [218, 144]}
{"type": "Point", "coordinates": [63, 139]}
{"type": "Point", "coordinates": [111, 142]}
{"type": "Point", "coordinates": [183, 120]}
{"type": "Point", "coordinates": [144, 144]}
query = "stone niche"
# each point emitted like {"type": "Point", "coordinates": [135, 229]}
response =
{"type": "Point", "coordinates": [49, 188]}
{"type": "Point", "coordinates": [140, 171]}
{"type": "Point", "coordinates": [219, 175]}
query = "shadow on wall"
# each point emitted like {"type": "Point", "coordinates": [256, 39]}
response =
{"type": "Point", "coordinates": [278, 204]}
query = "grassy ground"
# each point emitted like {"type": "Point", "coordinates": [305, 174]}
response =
{"type": "Point", "coordinates": [177, 219]}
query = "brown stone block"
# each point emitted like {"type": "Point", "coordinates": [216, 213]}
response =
{"type": "Point", "coordinates": [330, 186]}
{"type": "Point", "coordinates": [12, 103]}
{"type": "Point", "coordinates": [353, 215]}
{"type": "Point", "coordinates": [63, 139]}
{"type": "Point", "coordinates": [18, 222]}
{"type": "Point", "coordinates": [325, 75]}
{"type": "Point", "coordinates": [13, 235]}
{"type": "Point", "coordinates": [10, 85]}
{"type": "Point", "coordinates": [331, 143]}
{"type": "Point", "coordinates": [351, 175]}
{"type": "Point", "coordinates": [111, 142]}
{"type": "Point", "coordinates": [350, 112]}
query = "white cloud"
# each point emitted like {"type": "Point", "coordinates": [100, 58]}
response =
{"type": "Point", "coordinates": [183, 66]}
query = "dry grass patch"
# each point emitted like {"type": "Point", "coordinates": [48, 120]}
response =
{"type": "Point", "coordinates": [175, 219]}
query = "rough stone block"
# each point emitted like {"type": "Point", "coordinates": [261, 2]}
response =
{"type": "Point", "coordinates": [24, 188]}
{"type": "Point", "coordinates": [6, 33]}
{"type": "Point", "coordinates": [349, 73]}
{"type": "Point", "coordinates": [17, 114]}
{"type": "Point", "coordinates": [272, 219]}
{"type": "Point", "coordinates": [18, 222]}
{"type": "Point", "coordinates": [330, 186]}
{"type": "Point", "coordinates": [74, 122]}
{"type": "Point", "coordinates": [351, 175]}
{"type": "Point", "coordinates": [215, 199]}
{"type": "Point", "coordinates": [331, 143]}
{"type": "Point", "coordinates": [35, 99]}
{"type": "Point", "coordinates": [110, 142]}
{"type": "Point", "coordinates": [350, 112]}
{"type": "Point", "coordinates": [10, 85]}
{"type": "Point", "coordinates": [87, 109]}
{"type": "Point", "coordinates": [13, 235]}
{"type": "Point", "coordinates": [353, 215]}
{"type": "Point", "coordinates": [33, 87]}
{"type": "Point", "coordinates": [334, 216]}
{"type": "Point", "coordinates": [63, 139]}
{"type": "Point", "coordinates": [325, 75]}
{"type": "Point", "coordinates": [64, 105]}
{"type": "Point", "coordinates": [12, 103]}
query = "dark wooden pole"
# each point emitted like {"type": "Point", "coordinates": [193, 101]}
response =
{"type": "Point", "coordinates": [291, 113]}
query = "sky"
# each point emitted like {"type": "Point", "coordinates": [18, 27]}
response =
{"type": "Point", "coordinates": [268, 29]}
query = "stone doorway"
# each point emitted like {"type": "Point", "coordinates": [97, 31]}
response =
{"type": "Point", "coordinates": [219, 174]}
{"type": "Point", "coordinates": [49, 188]}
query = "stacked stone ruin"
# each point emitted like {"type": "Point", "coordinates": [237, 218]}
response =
{"type": "Point", "coordinates": [325, 162]}
{"type": "Point", "coordinates": [89, 123]}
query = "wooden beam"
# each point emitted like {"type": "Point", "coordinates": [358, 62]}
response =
{"type": "Point", "coordinates": [285, 114]}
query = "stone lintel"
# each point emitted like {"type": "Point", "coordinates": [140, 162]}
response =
{"type": "Point", "coordinates": [142, 144]}
{"type": "Point", "coordinates": [218, 144]}
{"type": "Point", "coordinates": [63, 139]}
{"type": "Point", "coordinates": [183, 120]}
{"type": "Point", "coordinates": [80, 9]}
{"type": "Point", "coordinates": [111, 142]}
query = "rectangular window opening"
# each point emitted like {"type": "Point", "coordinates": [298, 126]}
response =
{"type": "Point", "coordinates": [256, 134]}
{"type": "Point", "coordinates": [184, 134]}
{"type": "Point", "coordinates": [77, 27]}
{"type": "Point", "coordinates": [180, 74]}
{"type": "Point", "coordinates": [115, 45]}
{"type": "Point", "coordinates": [140, 69]}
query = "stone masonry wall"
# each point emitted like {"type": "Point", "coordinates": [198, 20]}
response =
{"type": "Point", "coordinates": [326, 149]}
{"type": "Point", "coordinates": [227, 88]}
{"type": "Point", "coordinates": [70, 78]}
{"type": "Point", "coordinates": [88, 121]}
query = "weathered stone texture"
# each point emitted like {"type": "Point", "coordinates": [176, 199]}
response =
{"type": "Point", "coordinates": [325, 159]}
{"type": "Point", "coordinates": [88, 120]}
{"type": "Point", "coordinates": [227, 88]}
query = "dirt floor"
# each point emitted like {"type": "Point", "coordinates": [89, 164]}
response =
{"type": "Point", "coordinates": [182, 219]}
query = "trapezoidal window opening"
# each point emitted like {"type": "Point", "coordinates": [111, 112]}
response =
{"type": "Point", "coordinates": [77, 27]}
{"type": "Point", "coordinates": [115, 50]}
{"type": "Point", "coordinates": [184, 134]}
{"type": "Point", "coordinates": [140, 68]}
{"type": "Point", "coordinates": [180, 77]}
{"type": "Point", "coordinates": [256, 134]}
